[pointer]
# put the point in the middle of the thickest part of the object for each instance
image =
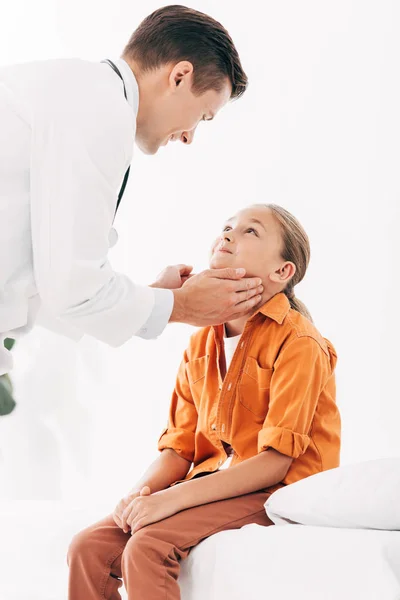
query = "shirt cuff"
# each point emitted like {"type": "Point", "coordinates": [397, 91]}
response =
{"type": "Point", "coordinates": [160, 315]}
{"type": "Point", "coordinates": [180, 440]}
{"type": "Point", "coordinates": [283, 440]}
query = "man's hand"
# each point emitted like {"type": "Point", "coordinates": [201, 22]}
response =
{"type": "Point", "coordinates": [173, 277]}
{"type": "Point", "coordinates": [118, 514]}
{"type": "Point", "coordinates": [144, 510]}
{"type": "Point", "coordinates": [216, 296]}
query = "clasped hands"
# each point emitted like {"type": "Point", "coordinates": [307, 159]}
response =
{"type": "Point", "coordinates": [138, 509]}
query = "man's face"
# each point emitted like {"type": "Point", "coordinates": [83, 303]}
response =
{"type": "Point", "coordinates": [252, 239]}
{"type": "Point", "coordinates": [168, 109]}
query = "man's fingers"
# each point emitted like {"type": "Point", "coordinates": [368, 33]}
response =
{"type": "Point", "coordinates": [244, 307]}
{"type": "Point", "coordinates": [249, 283]}
{"type": "Point", "coordinates": [184, 269]}
{"type": "Point", "coordinates": [238, 282]}
{"type": "Point", "coordinates": [227, 273]}
{"type": "Point", "coordinates": [247, 305]}
{"type": "Point", "coordinates": [248, 294]}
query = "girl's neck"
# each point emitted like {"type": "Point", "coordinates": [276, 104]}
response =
{"type": "Point", "coordinates": [236, 327]}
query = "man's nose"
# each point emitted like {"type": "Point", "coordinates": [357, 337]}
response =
{"type": "Point", "coordinates": [187, 136]}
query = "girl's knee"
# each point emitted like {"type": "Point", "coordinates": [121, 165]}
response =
{"type": "Point", "coordinates": [81, 545]}
{"type": "Point", "coordinates": [142, 544]}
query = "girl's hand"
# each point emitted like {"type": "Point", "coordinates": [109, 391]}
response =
{"type": "Point", "coordinates": [118, 514]}
{"type": "Point", "coordinates": [173, 277]}
{"type": "Point", "coordinates": [145, 510]}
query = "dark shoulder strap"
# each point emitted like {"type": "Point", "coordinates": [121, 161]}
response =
{"type": "Point", "coordinates": [122, 190]}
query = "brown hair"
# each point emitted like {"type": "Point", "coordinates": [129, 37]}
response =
{"type": "Point", "coordinates": [176, 33]}
{"type": "Point", "coordinates": [296, 249]}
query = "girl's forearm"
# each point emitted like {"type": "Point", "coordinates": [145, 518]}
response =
{"type": "Point", "coordinates": [256, 473]}
{"type": "Point", "coordinates": [166, 469]}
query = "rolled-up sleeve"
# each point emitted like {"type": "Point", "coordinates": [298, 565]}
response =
{"type": "Point", "coordinates": [79, 155]}
{"type": "Point", "coordinates": [182, 421]}
{"type": "Point", "coordinates": [300, 373]}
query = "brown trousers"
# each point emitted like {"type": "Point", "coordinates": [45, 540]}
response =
{"type": "Point", "coordinates": [148, 561]}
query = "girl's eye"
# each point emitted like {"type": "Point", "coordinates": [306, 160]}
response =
{"type": "Point", "coordinates": [252, 230]}
{"type": "Point", "coordinates": [227, 228]}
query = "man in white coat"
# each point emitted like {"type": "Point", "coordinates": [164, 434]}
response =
{"type": "Point", "coordinates": [67, 130]}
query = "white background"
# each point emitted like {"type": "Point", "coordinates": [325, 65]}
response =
{"type": "Point", "coordinates": [318, 132]}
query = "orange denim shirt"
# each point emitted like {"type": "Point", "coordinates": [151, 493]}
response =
{"type": "Point", "coordinates": [279, 392]}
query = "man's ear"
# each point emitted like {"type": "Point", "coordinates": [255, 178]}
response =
{"type": "Point", "coordinates": [284, 274]}
{"type": "Point", "coordinates": [181, 73]}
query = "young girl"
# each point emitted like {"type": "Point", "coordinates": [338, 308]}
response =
{"type": "Point", "coordinates": [256, 395]}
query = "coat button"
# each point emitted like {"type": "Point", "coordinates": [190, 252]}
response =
{"type": "Point", "coordinates": [213, 427]}
{"type": "Point", "coordinates": [112, 237]}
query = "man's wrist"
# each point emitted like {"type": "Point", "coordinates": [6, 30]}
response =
{"type": "Point", "coordinates": [178, 314]}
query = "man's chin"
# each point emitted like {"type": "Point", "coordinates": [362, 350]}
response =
{"type": "Point", "coordinates": [147, 148]}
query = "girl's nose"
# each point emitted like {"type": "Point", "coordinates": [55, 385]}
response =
{"type": "Point", "coordinates": [227, 236]}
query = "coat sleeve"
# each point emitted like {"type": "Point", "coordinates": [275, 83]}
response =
{"type": "Point", "coordinates": [78, 160]}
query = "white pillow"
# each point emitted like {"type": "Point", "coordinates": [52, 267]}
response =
{"type": "Point", "coordinates": [363, 496]}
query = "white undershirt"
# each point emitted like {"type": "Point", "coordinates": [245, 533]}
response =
{"type": "Point", "coordinates": [230, 344]}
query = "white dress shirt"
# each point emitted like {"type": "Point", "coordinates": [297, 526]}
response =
{"type": "Point", "coordinates": [66, 139]}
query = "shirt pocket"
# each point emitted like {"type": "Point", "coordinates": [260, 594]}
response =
{"type": "Point", "coordinates": [253, 388]}
{"type": "Point", "coordinates": [196, 371]}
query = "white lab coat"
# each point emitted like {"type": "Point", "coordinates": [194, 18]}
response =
{"type": "Point", "coordinates": [66, 139]}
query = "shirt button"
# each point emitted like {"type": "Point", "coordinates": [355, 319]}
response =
{"type": "Point", "coordinates": [213, 427]}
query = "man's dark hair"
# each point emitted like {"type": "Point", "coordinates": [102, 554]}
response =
{"type": "Point", "coordinates": [176, 33]}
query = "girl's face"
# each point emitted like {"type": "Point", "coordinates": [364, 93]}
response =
{"type": "Point", "coordinates": [252, 239]}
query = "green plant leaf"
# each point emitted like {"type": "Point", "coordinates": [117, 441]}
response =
{"type": "Point", "coordinates": [7, 402]}
{"type": "Point", "coordinates": [9, 343]}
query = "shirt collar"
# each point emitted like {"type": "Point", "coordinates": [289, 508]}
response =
{"type": "Point", "coordinates": [131, 85]}
{"type": "Point", "coordinates": [276, 308]}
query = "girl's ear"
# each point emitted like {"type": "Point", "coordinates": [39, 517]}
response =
{"type": "Point", "coordinates": [284, 274]}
